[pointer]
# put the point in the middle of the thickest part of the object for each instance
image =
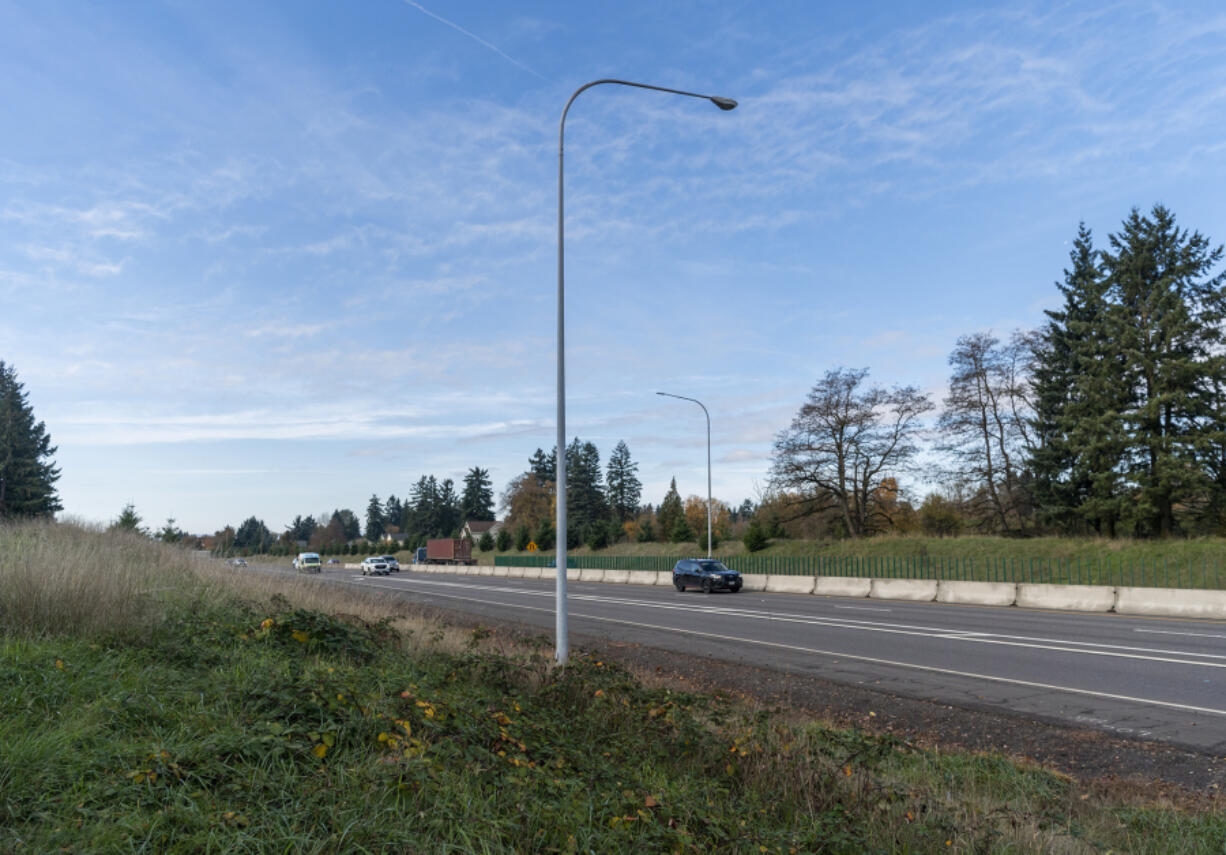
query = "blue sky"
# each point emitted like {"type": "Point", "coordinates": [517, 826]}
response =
{"type": "Point", "coordinates": [270, 258]}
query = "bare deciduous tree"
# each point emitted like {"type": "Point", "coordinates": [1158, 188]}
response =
{"type": "Point", "coordinates": [844, 442]}
{"type": "Point", "coordinates": [985, 423]}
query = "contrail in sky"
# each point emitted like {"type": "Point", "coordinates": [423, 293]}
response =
{"type": "Point", "coordinates": [478, 40]}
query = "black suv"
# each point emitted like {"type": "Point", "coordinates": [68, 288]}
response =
{"type": "Point", "coordinates": [705, 573]}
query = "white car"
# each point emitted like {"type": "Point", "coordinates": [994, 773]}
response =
{"type": "Point", "coordinates": [374, 566]}
{"type": "Point", "coordinates": [392, 564]}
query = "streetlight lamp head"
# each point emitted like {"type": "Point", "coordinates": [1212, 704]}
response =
{"type": "Point", "coordinates": [723, 103]}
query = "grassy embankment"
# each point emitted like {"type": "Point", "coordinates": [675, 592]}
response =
{"type": "Point", "coordinates": [149, 702]}
{"type": "Point", "coordinates": [1192, 563]}
{"type": "Point", "coordinates": [977, 547]}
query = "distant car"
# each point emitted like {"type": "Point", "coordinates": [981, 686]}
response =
{"type": "Point", "coordinates": [334, 561]}
{"type": "Point", "coordinates": [237, 562]}
{"type": "Point", "coordinates": [392, 564]}
{"type": "Point", "coordinates": [374, 566]}
{"type": "Point", "coordinates": [705, 573]}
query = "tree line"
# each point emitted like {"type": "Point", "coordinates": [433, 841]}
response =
{"type": "Point", "coordinates": [432, 509]}
{"type": "Point", "coordinates": [1109, 419]}
{"type": "Point", "coordinates": [605, 506]}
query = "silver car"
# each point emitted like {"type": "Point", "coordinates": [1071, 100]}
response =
{"type": "Point", "coordinates": [392, 564]}
{"type": "Point", "coordinates": [374, 566]}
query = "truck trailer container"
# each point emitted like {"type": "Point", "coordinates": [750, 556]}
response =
{"type": "Point", "coordinates": [449, 550]}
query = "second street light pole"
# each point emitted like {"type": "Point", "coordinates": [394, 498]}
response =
{"type": "Point", "coordinates": [708, 415]}
{"type": "Point", "coordinates": [561, 642]}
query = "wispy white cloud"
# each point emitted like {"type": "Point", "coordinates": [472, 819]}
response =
{"type": "Point", "coordinates": [477, 39]}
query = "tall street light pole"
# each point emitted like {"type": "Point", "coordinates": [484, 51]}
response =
{"type": "Point", "coordinates": [562, 642]}
{"type": "Point", "coordinates": [708, 415]}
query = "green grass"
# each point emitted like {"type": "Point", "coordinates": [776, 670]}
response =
{"type": "Point", "coordinates": [979, 548]}
{"type": "Point", "coordinates": [221, 718]}
{"type": "Point", "coordinates": [236, 728]}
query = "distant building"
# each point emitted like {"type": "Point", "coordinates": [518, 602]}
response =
{"type": "Point", "coordinates": [398, 537]}
{"type": "Point", "coordinates": [473, 529]}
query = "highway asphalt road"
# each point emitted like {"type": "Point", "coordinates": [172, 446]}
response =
{"type": "Point", "coordinates": [1159, 679]}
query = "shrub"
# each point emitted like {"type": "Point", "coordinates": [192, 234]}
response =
{"type": "Point", "coordinates": [522, 537]}
{"type": "Point", "coordinates": [486, 543]}
{"type": "Point", "coordinates": [546, 537]}
{"type": "Point", "coordinates": [596, 535]}
{"type": "Point", "coordinates": [681, 531]}
{"type": "Point", "coordinates": [755, 538]}
{"type": "Point", "coordinates": [503, 541]}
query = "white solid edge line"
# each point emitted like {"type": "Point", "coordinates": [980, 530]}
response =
{"type": "Point", "coordinates": [1172, 632]}
{"type": "Point", "coordinates": [930, 668]}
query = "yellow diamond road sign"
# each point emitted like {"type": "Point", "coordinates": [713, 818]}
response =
{"type": "Point", "coordinates": [532, 546]}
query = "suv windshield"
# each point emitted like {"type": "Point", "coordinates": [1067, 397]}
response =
{"type": "Point", "coordinates": [713, 567]}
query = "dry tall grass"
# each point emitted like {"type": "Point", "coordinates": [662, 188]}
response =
{"type": "Point", "coordinates": [73, 579]}
{"type": "Point", "coordinates": [417, 625]}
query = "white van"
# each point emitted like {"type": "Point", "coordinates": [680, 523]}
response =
{"type": "Point", "coordinates": [307, 562]}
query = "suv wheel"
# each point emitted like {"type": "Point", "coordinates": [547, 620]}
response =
{"type": "Point", "coordinates": [707, 586]}
{"type": "Point", "coordinates": [678, 584]}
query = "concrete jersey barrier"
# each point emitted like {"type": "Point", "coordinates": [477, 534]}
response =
{"type": "Point", "coordinates": [752, 581]}
{"type": "Point", "coordinates": [842, 586]}
{"type": "Point", "coordinates": [977, 593]}
{"type": "Point", "coordinates": [1166, 602]}
{"type": "Point", "coordinates": [913, 590]}
{"type": "Point", "coordinates": [1072, 598]}
{"type": "Point", "coordinates": [1171, 602]}
{"type": "Point", "coordinates": [778, 584]}
{"type": "Point", "coordinates": [641, 577]}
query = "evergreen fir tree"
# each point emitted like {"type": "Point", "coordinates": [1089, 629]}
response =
{"type": "Point", "coordinates": [374, 519]}
{"type": "Point", "coordinates": [1079, 403]}
{"type": "Point", "coordinates": [624, 490]}
{"type": "Point", "coordinates": [128, 520]}
{"type": "Point", "coordinates": [585, 499]}
{"type": "Point", "coordinates": [393, 513]}
{"type": "Point", "coordinates": [754, 538]}
{"type": "Point", "coordinates": [545, 468]}
{"type": "Point", "coordinates": [522, 537]}
{"type": "Point", "coordinates": [27, 475]}
{"type": "Point", "coordinates": [546, 536]}
{"type": "Point", "coordinates": [477, 502]}
{"type": "Point", "coordinates": [448, 510]}
{"type": "Point", "coordinates": [670, 510]}
{"type": "Point", "coordinates": [1167, 318]}
{"type": "Point", "coordinates": [681, 531]}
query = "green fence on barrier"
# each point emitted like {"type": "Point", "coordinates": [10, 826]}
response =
{"type": "Point", "coordinates": [1144, 573]}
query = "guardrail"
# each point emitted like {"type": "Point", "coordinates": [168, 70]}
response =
{"type": "Point", "coordinates": [1129, 572]}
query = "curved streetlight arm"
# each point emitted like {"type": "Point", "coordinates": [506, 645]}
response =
{"type": "Point", "coordinates": [562, 644]}
{"type": "Point", "coordinates": [708, 415]}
